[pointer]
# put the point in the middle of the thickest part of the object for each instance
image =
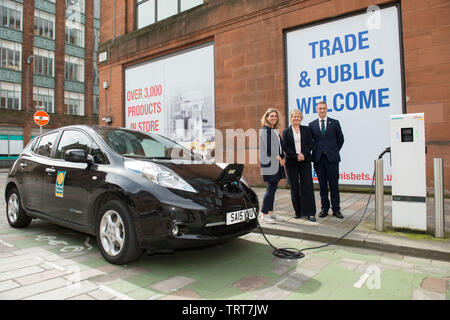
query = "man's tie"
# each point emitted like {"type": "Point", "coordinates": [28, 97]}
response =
{"type": "Point", "coordinates": [322, 126]}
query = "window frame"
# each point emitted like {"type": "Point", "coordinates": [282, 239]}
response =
{"type": "Point", "coordinates": [15, 15]}
{"type": "Point", "coordinates": [10, 99]}
{"type": "Point", "coordinates": [55, 142]}
{"type": "Point", "coordinates": [91, 146]}
{"type": "Point", "coordinates": [140, 2]}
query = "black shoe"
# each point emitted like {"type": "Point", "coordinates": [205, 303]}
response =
{"type": "Point", "coordinates": [338, 214]}
{"type": "Point", "coordinates": [323, 214]}
{"type": "Point", "coordinates": [312, 218]}
{"type": "Point", "coordinates": [297, 217]}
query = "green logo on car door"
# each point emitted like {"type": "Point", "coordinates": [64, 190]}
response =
{"type": "Point", "coordinates": [59, 189]}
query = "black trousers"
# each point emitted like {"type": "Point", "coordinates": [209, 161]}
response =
{"type": "Point", "coordinates": [328, 174]}
{"type": "Point", "coordinates": [302, 189]}
{"type": "Point", "coordinates": [269, 197]}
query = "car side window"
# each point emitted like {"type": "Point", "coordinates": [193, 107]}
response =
{"type": "Point", "coordinates": [73, 139]}
{"type": "Point", "coordinates": [45, 145]}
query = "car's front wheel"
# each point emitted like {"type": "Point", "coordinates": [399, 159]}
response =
{"type": "Point", "coordinates": [116, 233]}
{"type": "Point", "coordinates": [17, 218]}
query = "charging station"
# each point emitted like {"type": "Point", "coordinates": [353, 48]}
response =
{"type": "Point", "coordinates": [409, 200]}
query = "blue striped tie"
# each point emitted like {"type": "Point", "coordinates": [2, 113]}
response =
{"type": "Point", "coordinates": [322, 127]}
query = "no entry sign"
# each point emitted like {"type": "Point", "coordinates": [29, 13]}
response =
{"type": "Point", "coordinates": [41, 118]}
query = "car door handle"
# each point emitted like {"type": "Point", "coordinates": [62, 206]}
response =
{"type": "Point", "coordinates": [50, 170]}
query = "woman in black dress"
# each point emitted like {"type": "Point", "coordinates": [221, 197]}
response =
{"type": "Point", "coordinates": [297, 145]}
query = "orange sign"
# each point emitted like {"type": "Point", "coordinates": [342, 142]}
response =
{"type": "Point", "coordinates": [41, 118]}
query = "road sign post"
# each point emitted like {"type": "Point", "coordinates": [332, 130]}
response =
{"type": "Point", "coordinates": [41, 118]}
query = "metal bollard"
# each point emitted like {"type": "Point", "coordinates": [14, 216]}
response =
{"type": "Point", "coordinates": [379, 195]}
{"type": "Point", "coordinates": [438, 167]}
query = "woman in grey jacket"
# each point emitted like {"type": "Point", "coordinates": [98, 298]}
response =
{"type": "Point", "coordinates": [271, 161]}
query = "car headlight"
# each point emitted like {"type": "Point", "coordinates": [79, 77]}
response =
{"type": "Point", "coordinates": [159, 174]}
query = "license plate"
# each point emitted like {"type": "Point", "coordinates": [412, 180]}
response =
{"type": "Point", "coordinates": [240, 216]}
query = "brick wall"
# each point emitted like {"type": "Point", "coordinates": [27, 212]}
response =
{"type": "Point", "coordinates": [426, 39]}
{"type": "Point", "coordinates": [249, 58]}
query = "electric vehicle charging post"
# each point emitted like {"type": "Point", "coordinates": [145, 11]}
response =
{"type": "Point", "coordinates": [379, 195]}
{"type": "Point", "coordinates": [438, 166]}
{"type": "Point", "coordinates": [407, 132]}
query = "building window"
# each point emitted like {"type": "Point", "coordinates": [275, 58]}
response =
{"type": "Point", "coordinates": [150, 11]}
{"type": "Point", "coordinates": [10, 15]}
{"type": "Point", "coordinates": [43, 66]}
{"type": "Point", "coordinates": [74, 103]}
{"type": "Point", "coordinates": [167, 8]}
{"type": "Point", "coordinates": [146, 14]}
{"type": "Point", "coordinates": [74, 7]}
{"type": "Point", "coordinates": [74, 69]}
{"type": "Point", "coordinates": [74, 34]}
{"type": "Point", "coordinates": [43, 99]}
{"type": "Point", "coordinates": [44, 25]}
{"type": "Point", "coordinates": [10, 96]}
{"type": "Point", "coordinates": [187, 4]}
{"type": "Point", "coordinates": [10, 53]}
{"type": "Point", "coordinates": [96, 9]}
{"type": "Point", "coordinates": [44, 62]}
{"type": "Point", "coordinates": [96, 105]}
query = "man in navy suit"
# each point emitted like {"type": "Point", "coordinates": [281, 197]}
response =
{"type": "Point", "coordinates": [328, 140]}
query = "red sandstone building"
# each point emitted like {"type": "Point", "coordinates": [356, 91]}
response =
{"type": "Point", "coordinates": [238, 57]}
{"type": "Point", "coordinates": [48, 61]}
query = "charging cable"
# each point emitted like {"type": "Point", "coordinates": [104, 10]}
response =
{"type": "Point", "coordinates": [293, 253]}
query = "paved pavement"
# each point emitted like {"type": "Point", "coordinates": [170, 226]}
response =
{"type": "Point", "coordinates": [45, 261]}
{"type": "Point", "coordinates": [353, 205]}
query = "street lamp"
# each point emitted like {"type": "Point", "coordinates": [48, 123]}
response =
{"type": "Point", "coordinates": [28, 77]}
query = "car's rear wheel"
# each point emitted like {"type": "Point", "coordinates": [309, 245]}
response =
{"type": "Point", "coordinates": [116, 233]}
{"type": "Point", "coordinates": [17, 218]}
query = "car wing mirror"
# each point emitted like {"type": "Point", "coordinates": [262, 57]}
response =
{"type": "Point", "coordinates": [78, 155]}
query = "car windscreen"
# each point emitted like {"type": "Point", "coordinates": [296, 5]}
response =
{"type": "Point", "coordinates": [143, 145]}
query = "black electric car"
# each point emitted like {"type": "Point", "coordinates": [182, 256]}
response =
{"type": "Point", "coordinates": [133, 191]}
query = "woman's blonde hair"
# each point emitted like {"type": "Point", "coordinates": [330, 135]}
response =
{"type": "Point", "coordinates": [266, 123]}
{"type": "Point", "coordinates": [295, 111]}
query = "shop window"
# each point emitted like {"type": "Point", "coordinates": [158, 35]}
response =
{"type": "Point", "coordinates": [10, 146]}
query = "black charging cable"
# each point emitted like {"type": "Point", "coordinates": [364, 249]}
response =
{"type": "Point", "coordinates": [293, 253]}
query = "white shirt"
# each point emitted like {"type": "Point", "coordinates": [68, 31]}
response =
{"type": "Point", "coordinates": [325, 123]}
{"type": "Point", "coordinates": [297, 141]}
